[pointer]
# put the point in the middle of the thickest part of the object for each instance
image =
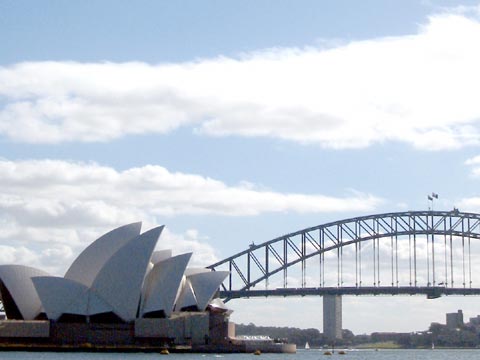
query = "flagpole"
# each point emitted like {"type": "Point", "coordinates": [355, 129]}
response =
{"type": "Point", "coordinates": [434, 196]}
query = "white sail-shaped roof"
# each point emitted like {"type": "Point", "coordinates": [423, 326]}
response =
{"type": "Point", "coordinates": [86, 266]}
{"type": "Point", "coordinates": [64, 296]}
{"type": "Point", "coordinates": [162, 284]}
{"type": "Point", "coordinates": [161, 255]}
{"type": "Point", "coordinates": [18, 281]}
{"type": "Point", "coordinates": [61, 296]}
{"type": "Point", "coordinates": [205, 284]}
{"type": "Point", "coordinates": [120, 280]}
{"type": "Point", "coordinates": [118, 273]}
{"type": "Point", "coordinates": [193, 271]}
{"type": "Point", "coordinates": [96, 304]}
{"type": "Point", "coordinates": [186, 297]}
{"type": "Point", "coordinates": [157, 256]}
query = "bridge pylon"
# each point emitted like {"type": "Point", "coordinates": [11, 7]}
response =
{"type": "Point", "coordinates": [332, 317]}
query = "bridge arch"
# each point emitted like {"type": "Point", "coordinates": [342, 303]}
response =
{"type": "Point", "coordinates": [439, 256]}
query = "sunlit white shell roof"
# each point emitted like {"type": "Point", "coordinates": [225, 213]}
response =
{"type": "Point", "coordinates": [86, 266]}
{"type": "Point", "coordinates": [120, 280]}
{"type": "Point", "coordinates": [161, 255]}
{"type": "Point", "coordinates": [64, 296]}
{"type": "Point", "coordinates": [118, 274]}
{"type": "Point", "coordinates": [162, 284]}
{"type": "Point", "coordinates": [205, 285]}
{"type": "Point", "coordinates": [17, 279]}
{"type": "Point", "coordinates": [186, 298]}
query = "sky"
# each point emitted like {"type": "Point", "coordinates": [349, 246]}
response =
{"type": "Point", "coordinates": [234, 122]}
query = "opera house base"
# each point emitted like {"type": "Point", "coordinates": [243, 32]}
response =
{"type": "Point", "coordinates": [186, 332]}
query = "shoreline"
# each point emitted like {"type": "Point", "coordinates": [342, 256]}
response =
{"type": "Point", "coordinates": [198, 349]}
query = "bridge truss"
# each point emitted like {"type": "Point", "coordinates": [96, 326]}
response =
{"type": "Point", "coordinates": [414, 252]}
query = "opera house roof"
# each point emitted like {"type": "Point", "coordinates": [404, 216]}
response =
{"type": "Point", "coordinates": [118, 276]}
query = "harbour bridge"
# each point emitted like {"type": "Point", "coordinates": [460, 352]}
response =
{"type": "Point", "coordinates": [400, 253]}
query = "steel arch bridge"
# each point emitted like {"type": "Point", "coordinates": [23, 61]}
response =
{"type": "Point", "coordinates": [414, 252]}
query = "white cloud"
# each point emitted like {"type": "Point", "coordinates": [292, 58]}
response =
{"type": "Point", "coordinates": [468, 10]}
{"type": "Point", "coordinates": [473, 161]}
{"type": "Point", "coordinates": [418, 89]}
{"type": "Point", "coordinates": [471, 203]}
{"type": "Point", "coordinates": [474, 164]}
{"type": "Point", "coordinates": [39, 191]}
{"type": "Point", "coordinates": [52, 207]}
{"type": "Point", "coordinates": [191, 241]}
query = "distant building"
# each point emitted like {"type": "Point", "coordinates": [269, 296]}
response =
{"type": "Point", "coordinates": [475, 321]}
{"type": "Point", "coordinates": [455, 320]}
{"type": "Point", "coordinates": [332, 317]}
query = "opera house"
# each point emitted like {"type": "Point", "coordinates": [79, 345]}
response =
{"type": "Point", "coordinates": [117, 292]}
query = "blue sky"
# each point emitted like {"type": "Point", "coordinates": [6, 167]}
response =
{"type": "Point", "coordinates": [233, 122]}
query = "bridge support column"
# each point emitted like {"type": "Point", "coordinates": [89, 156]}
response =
{"type": "Point", "coordinates": [332, 317]}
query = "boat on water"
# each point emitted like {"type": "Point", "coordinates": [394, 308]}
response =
{"type": "Point", "coordinates": [307, 346]}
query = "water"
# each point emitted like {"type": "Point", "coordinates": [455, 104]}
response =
{"type": "Point", "coordinates": [301, 354]}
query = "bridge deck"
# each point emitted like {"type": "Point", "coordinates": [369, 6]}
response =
{"type": "Point", "coordinates": [429, 253]}
{"type": "Point", "coordinates": [430, 292]}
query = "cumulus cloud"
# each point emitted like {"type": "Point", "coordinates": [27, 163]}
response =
{"type": "Point", "coordinates": [418, 89]}
{"type": "Point", "coordinates": [474, 164]}
{"type": "Point", "coordinates": [39, 191]}
{"type": "Point", "coordinates": [471, 203]}
{"type": "Point", "coordinates": [53, 207]}
{"type": "Point", "coordinates": [191, 241]}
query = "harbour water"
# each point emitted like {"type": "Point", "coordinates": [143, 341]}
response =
{"type": "Point", "coordinates": [313, 354]}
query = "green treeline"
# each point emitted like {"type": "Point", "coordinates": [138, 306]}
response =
{"type": "Point", "coordinates": [439, 335]}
